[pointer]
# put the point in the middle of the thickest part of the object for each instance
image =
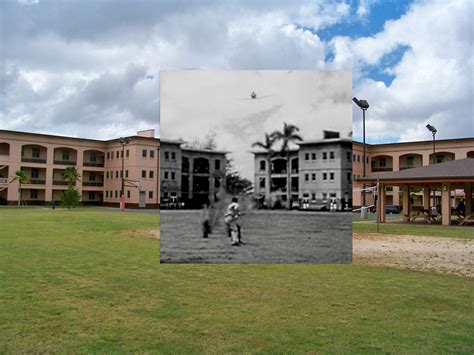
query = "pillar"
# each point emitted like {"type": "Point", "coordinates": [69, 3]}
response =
{"type": "Point", "coordinates": [446, 204]}
{"type": "Point", "coordinates": [406, 203]}
{"type": "Point", "coordinates": [468, 197]}
{"type": "Point", "coordinates": [426, 197]}
{"type": "Point", "coordinates": [382, 203]}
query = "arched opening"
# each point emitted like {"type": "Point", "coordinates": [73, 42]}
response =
{"type": "Point", "coordinates": [294, 166]}
{"type": "Point", "coordinates": [4, 149]}
{"type": "Point", "coordinates": [441, 157]}
{"type": "Point", "coordinates": [184, 165]}
{"type": "Point", "coordinates": [470, 154]}
{"type": "Point", "coordinates": [33, 153]}
{"type": "Point", "coordinates": [201, 166]}
{"type": "Point", "coordinates": [279, 166]}
{"type": "Point", "coordinates": [381, 163]}
{"type": "Point", "coordinates": [65, 156]}
{"type": "Point", "coordinates": [409, 161]}
{"type": "Point", "coordinates": [93, 158]}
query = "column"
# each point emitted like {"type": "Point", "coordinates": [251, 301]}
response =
{"type": "Point", "coordinates": [446, 204]}
{"type": "Point", "coordinates": [383, 202]}
{"type": "Point", "coordinates": [426, 197]}
{"type": "Point", "coordinates": [190, 178]}
{"type": "Point", "coordinates": [406, 203]}
{"type": "Point", "coordinates": [468, 197]}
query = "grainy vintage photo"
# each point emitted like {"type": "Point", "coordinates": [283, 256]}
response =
{"type": "Point", "coordinates": [256, 166]}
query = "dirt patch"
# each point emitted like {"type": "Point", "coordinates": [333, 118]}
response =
{"type": "Point", "coordinates": [444, 255]}
{"type": "Point", "coordinates": [141, 233]}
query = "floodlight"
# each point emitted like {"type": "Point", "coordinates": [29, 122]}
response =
{"type": "Point", "coordinates": [431, 128]}
{"type": "Point", "coordinates": [363, 104]}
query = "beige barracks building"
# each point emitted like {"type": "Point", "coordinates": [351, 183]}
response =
{"type": "Point", "coordinates": [44, 157]}
{"type": "Point", "coordinates": [381, 158]}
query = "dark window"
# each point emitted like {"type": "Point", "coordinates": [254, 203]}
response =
{"type": "Point", "coordinates": [306, 156]}
{"type": "Point", "coordinates": [121, 154]}
{"type": "Point", "coordinates": [313, 156]}
{"type": "Point", "coordinates": [127, 153]}
{"type": "Point", "coordinates": [35, 153]}
{"type": "Point", "coordinates": [262, 165]}
{"type": "Point", "coordinates": [33, 194]}
{"type": "Point", "coordinates": [65, 155]}
{"type": "Point", "coordinates": [331, 176]}
{"type": "Point", "coordinates": [167, 155]}
{"type": "Point", "coordinates": [367, 160]}
{"type": "Point", "coordinates": [126, 173]}
{"type": "Point", "coordinates": [325, 195]}
{"type": "Point", "coordinates": [331, 155]}
{"type": "Point", "coordinates": [121, 174]}
{"type": "Point", "coordinates": [128, 193]}
{"type": "Point", "coordinates": [116, 174]}
{"type": "Point", "coordinates": [306, 177]}
{"type": "Point", "coordinates": [383, 162]}
{"type": "Point", "coordinates": [116, 193]}
{"type": "Point", "coordinates": [217, 164]}
{"type": "Point", "coordinates": [117, 154]}
{"type": "Point", "coordinates": [152, 153]}
{"type": "Point", "coordinates": [313, 196]}
{"type": "Point", "coordinates": [173, 155]}
{"type": "Point", "coordinates": [262, 183]}
{"type": "Point", "coordinates": [348, 176]}
{"type": "Point", "coordinates": [150, 174]}
{"type": "Point", "coordinates": [144, 151]}
{"type": "Point", "coordinates": [106, 193]}
{"type": "Point", "coordinates": [150, 194]}
{"type": "Point", "coordinates": [348, 156]}
{"type": "Point", "coordinates": [34, 173]}
{"type": "Point", "coordinates": [325, 155]}
{"type": "Point", "coordinates": [325, 176]}
{"type": "Point", "coordinates": [91, 195]}
{"type": "Point", "coordinates": [108, 155]}
{"type": "Point", "coordinates": [91, 176]}
{"type": "Point", "coordinates": [173, 175]}
{"type": "Point", "coordinates": [353, 157]}
{"type": "Point", "coordinates": [93, 158]}
{"type": "Point", "coordinates": [143, 174]}
{"type": "Point", "coordinates": [313, 176]}
{"type": "Point", "coordinates": [410, 161]}
{"type": "Point", "coordinates": [166, 175]}
{"type": "Point", "coordinates": [358, 158]}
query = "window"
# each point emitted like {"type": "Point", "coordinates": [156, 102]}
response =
{"type": "Point", "coordinates": [305, 195]}
{"type": "Point", "coordinates": [121, 174]}
{"type": "Point", "coordinates": [217, 164]}
{"type": "Point", "coordinates": [353, 157]}
{"type": "Point", "coordinates": [331, 176]}
{"type": "Point", "coordinates": [91, 176]}
{"type": "Point", "coordinates": [348, 156]}
{"type": "Point", "coordinates": [150, 194]}
{"type": "Point", "coordinates": [313, 196]}
{"type": "Point", "coordinates": [358, 158]}
{"type": "Point", "coordinates": [143, 174]}
{"type": "Point", "coordinates": [121, 154]}
{"type": "Point", "coordinates": [92, 195]}
{"type": "Point", "coordinates": [410, 161]}
{"type": "Point", "coordinates": [126, 173]}
{"type": "Point", "coordinates": [93, 158]}
{"type": "Point", "coordinates": [106, 193]}
{"type": "Point", "coordinates": [173, 155]}
{"type": "Point", "coordinates": [34, 173]}
{"type": "Point", "coordinates": [144, 151]}
{"type": "Point", "coordinates": [173, 175]}
{"type": "Point", "coordinates": [306, 177]}
{"type": "Point", "coordinates": [306, 156]}
{"type": "Point", "coordinates": [325, 196]}
{"type": "Point", "coordinates": [166, 175]}
{"type": "Point", "coordinates": [108, 155]}
{"type": "Point", "coordinates": [349, 177]}
{"type": "Point", "coordinates": [128, 193]}
{"type": "Point", "coordinates": [383, 162]}
{"type": "Point", "coordinates": [127, 153]}
{"type": "Point", "coordinates": [152, 153]}
{"type": "Point", "coordinates": [35, 153]}
{"type": "Point", "coordinates": [333, 195]}
{"type": "Point", "coordinates": [325, 155]}
{"type": "Point", "coordinates": [313, 156]}
{"type": "Point", "coordinates": [34, 194]}
{"type": "Point", "coordinates": [167, 155]}
{"type": "Point", "coordinates": [367, 160]}
{"type": "Point", "coordinates": [116, 174]}
{"type": "Point", "coordinates": [116, 194]}
{"type": "Point", "coordinates": [331, 155]}
{"type": "Point", "coordinates": [151, 174]}
{"type": "Point", "coordinates": [65, 155]}
{"type": "Point", "coordinates": [117, 154]}
{"type": "Point", "coordinates": [262, 165]}
{"type": "Point", "coordinates": [313, 176]}
{"type": "Point", "coordinates": [262, 183]}
{"type": "Point", "coordinates": [325, 176]}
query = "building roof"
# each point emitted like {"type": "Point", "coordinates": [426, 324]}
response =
{"type": "Point", "coordinates": [198, 150]}
{"type": "Point", "coordinates": [453, 170]}
{"type": "Point", "coordinates": [451, 140]}
{"type": "Point", "coordinates": [172, 141]}
{"type": "Point", "coordinates": [326, 141]}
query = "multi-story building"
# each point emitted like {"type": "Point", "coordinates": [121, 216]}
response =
{"type": "Point", "coordinates": [321, 174]}
{"type": "Point", "coordinates": [381, 158]}
{"type": "Point", "coordinates": [191, 176]}
{"type": "Point", "coordinates": [44, 158]}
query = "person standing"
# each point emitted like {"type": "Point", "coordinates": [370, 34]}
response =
{"type": "Point", "coordinates": [231, 216]}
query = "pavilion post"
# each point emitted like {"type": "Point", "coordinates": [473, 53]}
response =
{"type": "Point", "coordinates": [406, 203]}
{"type": "Point", "coordinates": [426, 197]}
{"type": "Point", "coordinates": [468, 197]}
{"type": "Point", "coordinates": [446, 204]}
{"type": "Point", "coordinates": [383, 202]}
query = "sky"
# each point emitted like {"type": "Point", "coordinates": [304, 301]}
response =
{"type": "Point", "coordinates": [194, 103]}
{"type": "Point", "coordinates": [91, 68]}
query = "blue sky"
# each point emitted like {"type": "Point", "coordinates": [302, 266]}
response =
{"type": "Point", "coordinates": [91, 68]}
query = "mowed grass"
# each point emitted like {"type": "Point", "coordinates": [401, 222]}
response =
{"type": "Point", "coordinates": [74, 281]}
{"type": "Point", "coordinates": [465, 232]}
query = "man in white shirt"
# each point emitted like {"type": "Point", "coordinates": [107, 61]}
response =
{"type": "Point", "coordinates": [230, 219]}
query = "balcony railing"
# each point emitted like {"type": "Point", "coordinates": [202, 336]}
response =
{"type": "Point", "coordinates": [62, 182]}
{"type": "Point", "coordinates": [405, 167]}
{"type": "Point", "coordinates": [33, 160]}
{"type": "Point", "coordinates": [64, 162]}
{"type": "Point", "coordinates": [98, 165]}
{"type": "Point", "coordinates": [381, 169]}
{"type": "Point", "coordinates": [37, 182]}
{"type": "Point", "coordinates": [92, 183]}
{"type": "Point", "coordinates": [279, 171]}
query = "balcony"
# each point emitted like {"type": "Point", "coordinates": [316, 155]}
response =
{"type": "Point", "coordinates": [62, 182]}
{"type": "Point", "coordinates": [65, 162]}
{"type": "Point", "coordinates": [33, 160]}
{"type": "Point", "coordinates": [37, 182]}
{"type": "Point", "coordinates": [92, 183]}
{"type": "Point", "coordinates": [97, 165]}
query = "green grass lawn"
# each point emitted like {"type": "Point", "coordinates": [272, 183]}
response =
{"type": "Point", "coordinates": [73, 281]}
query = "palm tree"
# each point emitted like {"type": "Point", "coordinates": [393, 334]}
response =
{"type": "Point", "coordinates": [22, 178]}
{"type": "Point", "coordinates": [288, 135]}
{"type": "Point", "coordinates": [71, 175]}
{"type": "Point", "coordinates": [267, 145]}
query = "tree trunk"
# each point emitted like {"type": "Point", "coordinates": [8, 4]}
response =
{"type": "Point", "coordinates": [269, 182]}
{"type": "Point", "coordinates": [288, 181]}
{"type": "Point", "coordinates": [19, 193]}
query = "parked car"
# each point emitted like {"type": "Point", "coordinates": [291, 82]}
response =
{"type": "Point", "coordinates": [392, 209]}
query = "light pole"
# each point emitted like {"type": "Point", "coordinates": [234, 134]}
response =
{"type": "Point", "coordinates": [364, 105]}
{"type": "Point", "coordinates": [123, 142]}
{"type": "Point", "coordinates": [433, 130]}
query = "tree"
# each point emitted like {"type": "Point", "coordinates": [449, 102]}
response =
{"type": "Point", "coordinates": [206, 142]}
{"type": "Point", "coordinates": [71, 175]}
{"type": "Point", "coordinates": [287, 136]}
{"type": "Point", "coordinates": [22, 178]}
{"type": "Point", "coordinates": [267, 144]}
{"type": "Point", "coordinates": [70, 198]}
{"type": "Point", "coordinates": [235, 184]}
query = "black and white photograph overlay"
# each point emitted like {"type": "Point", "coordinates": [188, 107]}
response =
{"type": "Point", "coordinates": [256, 166]}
